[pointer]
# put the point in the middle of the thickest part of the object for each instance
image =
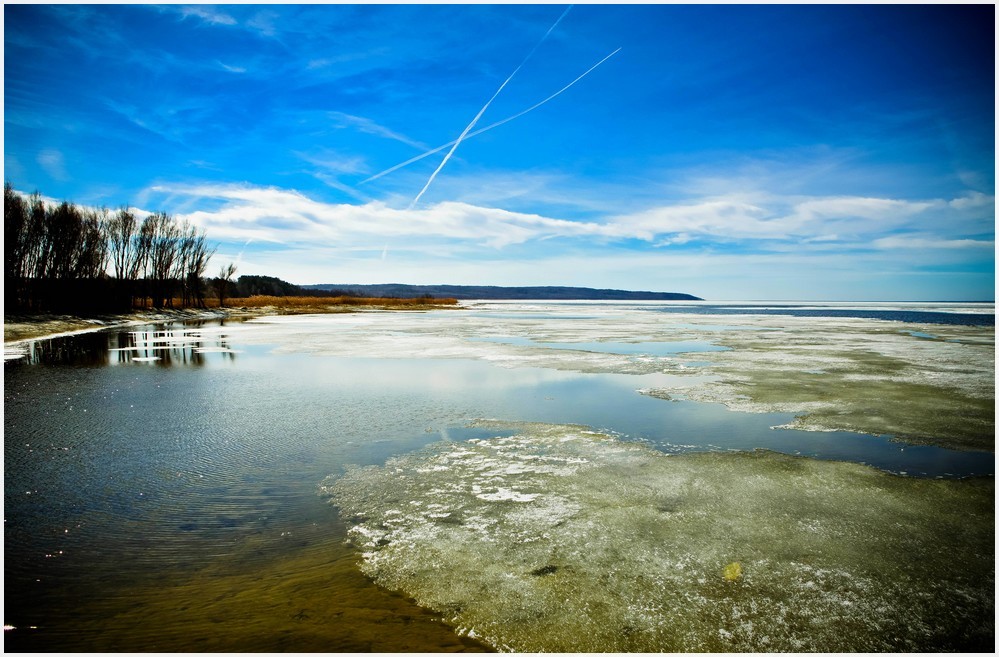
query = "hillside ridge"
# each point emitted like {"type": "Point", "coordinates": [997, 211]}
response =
{"type": "Point", "coordinates": [545, 292]}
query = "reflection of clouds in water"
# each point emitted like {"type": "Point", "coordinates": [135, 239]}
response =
{"type": "Point", "coordinates": [804, 374]}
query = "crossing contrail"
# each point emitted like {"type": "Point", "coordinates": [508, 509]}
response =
{"type": "Point", "coordinates": [488, 127]}
{"type": "Point", "coordinates": [484, 107]}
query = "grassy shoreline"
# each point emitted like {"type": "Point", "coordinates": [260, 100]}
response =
{"type": "Point", "coordinates": [18, 327]}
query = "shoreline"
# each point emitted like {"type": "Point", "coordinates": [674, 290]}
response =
{"type": "Point", "coordinates": [43, 326]}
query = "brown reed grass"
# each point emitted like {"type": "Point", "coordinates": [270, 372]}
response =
{"type": "Point", "coordinates": [326, 304]}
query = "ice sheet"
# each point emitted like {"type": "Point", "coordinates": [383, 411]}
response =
{"type": "Point", "coordinates": [562, 539]}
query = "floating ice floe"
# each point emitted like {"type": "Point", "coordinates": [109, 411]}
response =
{"type": "Point", "coordinates": [622, 548]}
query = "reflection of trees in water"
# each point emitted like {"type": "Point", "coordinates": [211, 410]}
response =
{"type": "Point", "coordinates": [171, 347]}
{"type": "Point", "coordinates": [83, 350]}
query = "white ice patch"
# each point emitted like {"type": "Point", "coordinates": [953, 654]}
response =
{"type": "Point", "coordinates": [506, 495]}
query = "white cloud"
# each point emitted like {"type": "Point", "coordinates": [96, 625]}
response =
{"type": "Point", "coordinates": [872, 209]}
{"type": "Point", "coordinates": [719, 218]}
{"type": "Point", "coordinates": [276, 215]}
{"type": "Point", "coordinates": [268, 214]}
{"type": "Point", "coordinates": [208, 14]}
{"type": "Point", "coordinates": [232, 69]}
{"type": "Point", "coordinates": [930, 242]}
{"type": "Point", "coordinates": [264, 22]}
{"type": "Point", "coordinates": [54, 164]}
{"type": "Point", "coordinates": [973, 200]}
{"type": "Point", "coordinates": [305, 240]}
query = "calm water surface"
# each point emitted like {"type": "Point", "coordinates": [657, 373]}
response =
{"type": "Point", "coordinates": [171, 504]}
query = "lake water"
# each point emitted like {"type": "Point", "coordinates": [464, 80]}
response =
{"type": "Point", "coordinates": [162, 484]}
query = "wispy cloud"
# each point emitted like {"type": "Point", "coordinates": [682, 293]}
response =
{"type": "Point", "coordinates": [160, 120]}
{"type": "Point", "coordinates": [370, 127]}
{"type": "Point", "coordinates": [475, 120]}
{"type": "Point", "coordinates": [53, 163]}
{"type": "Point", "coordinates": [330, 165]}
{"type": "Point", "coordinates": [264, 22]}
{"type": "Point", "coordinates": [335, 183]}
{"type": "Point", "coordinates": [206, 13]}
{"type": "Point", "coordinates": [931, 243]}
{"type": "Point", "coordinates": [488, 127]}
{"type": "Point", "coordinates": [232, 69]}
{"type": "Point", "coordinates": [330, 160]}
{"type": "Point", "coordinates": [808, 220]}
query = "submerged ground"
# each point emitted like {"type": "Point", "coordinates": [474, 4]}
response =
{"type": "Point", "coordinates": [187, 492]}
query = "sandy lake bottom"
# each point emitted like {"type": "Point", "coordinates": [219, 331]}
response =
{"type": "Point", "coordinates": [530, 477]}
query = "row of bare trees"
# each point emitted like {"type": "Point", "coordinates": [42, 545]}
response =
{"type": "Point", "coordinates": [69, 258]}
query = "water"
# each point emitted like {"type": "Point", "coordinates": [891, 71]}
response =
{"type": "Point", "coordinates": [646, 348]}
{"type": "Point", "coordinates": [954, 314]}
{"type": "Point", "coordinates": [135, 489]}
{"type": "Point", "coordinates": [949, 313]}
{"type": "Point", "coordinates": [161, 485]}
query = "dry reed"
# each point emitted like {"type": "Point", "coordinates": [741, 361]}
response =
{"type": "Point", "coordinates": [322, 304]}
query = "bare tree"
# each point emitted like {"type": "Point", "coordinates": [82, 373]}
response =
{"type": "Point", "coordinates": [92, 250]}
{"type": "Point", "coordinates": [37, 232]}
{"type": "Point", "coordinates": [197, 263]}
{"type": "Point", "coordinates": [16, 214]}
{"type": "Point", "coordinates": [64, 235]}
{"type": "Point", "coordinates": [224, 280]}
{"type": "Point", "coordinates": [163, 240]}
{"type": "Point", "coordinates": [120, 229]}
{"type": "Point", "coordinates": [64, 256]}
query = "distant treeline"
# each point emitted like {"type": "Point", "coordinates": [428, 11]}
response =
{"type": "Point", "coordinates": [67, 258]}
{"type": "Point", "coordinates": [252, 285]}
{"type": "Point", "coordinates": [404, 291]}
{"type": "Point", "coordinates": [249, 286]}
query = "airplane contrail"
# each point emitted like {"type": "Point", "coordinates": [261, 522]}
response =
{"type": "Point", "coordinates": [484, 107]}
{"type": "Point", "coordinates": [488, 127]}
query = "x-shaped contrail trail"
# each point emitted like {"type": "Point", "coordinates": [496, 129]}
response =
{"type": "Point", "coordinates": [488, 127]}
{"type": "Point", "coordinates": [484, 107]}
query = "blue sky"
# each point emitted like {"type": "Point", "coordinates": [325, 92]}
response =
{"type": "Point", "coordinates": [732, 152]}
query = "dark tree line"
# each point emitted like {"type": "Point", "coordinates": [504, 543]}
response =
{"type": "Point", "coordinates": [85, 259]}
{"type": "Point", "coordinates": [248, 286]}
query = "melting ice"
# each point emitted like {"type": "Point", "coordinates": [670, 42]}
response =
{"type": "Point", "coordinates": [558, 538]}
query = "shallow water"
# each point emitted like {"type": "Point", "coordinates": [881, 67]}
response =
{"type": "Point", "coordinates": [160, 485]}
{"type": "Point", "coordinates": [967, 314]}
{"type": "Point", "coordinates": [638, 348]}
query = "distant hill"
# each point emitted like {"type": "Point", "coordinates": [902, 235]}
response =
{"type": "Point", "coordinates": [550, 293]}
{"type": "Point", "coordinates": [247, 286]}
